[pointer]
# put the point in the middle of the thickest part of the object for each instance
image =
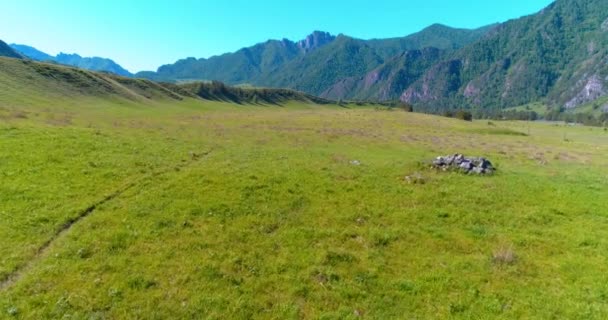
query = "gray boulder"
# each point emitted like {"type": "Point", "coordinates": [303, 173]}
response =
{"type": "Point", "coordinates": [458, 162]}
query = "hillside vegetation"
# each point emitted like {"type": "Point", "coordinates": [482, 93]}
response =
{"type": "Point", "coordinates": [128, 199]}
{"type": "Point", "coordinates": [389, 80]}
{"type": "Point", "coordinates": [33, 82]}
{"type": "Point", "coordinates": [558, 55]}
{"type": "Point", "coordinates": [311, 65]}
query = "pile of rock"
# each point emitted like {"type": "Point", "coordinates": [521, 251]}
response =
{"type": "Point", "coordinates": [458, 162]}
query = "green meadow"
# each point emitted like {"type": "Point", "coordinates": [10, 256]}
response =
{"type": "Point", "coordinates": [114, 208]}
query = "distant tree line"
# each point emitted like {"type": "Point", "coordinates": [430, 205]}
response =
{"type": "Point", "coordinates": [582, 118]}
{"type": "Point", "coordinates": [469, 115]}
{"type": "Point", "coordinates": [492, 114]}
{"type": "Point", "coordinates": [458, 114]}
{"type": "Point", "coordinates": [587, 119]}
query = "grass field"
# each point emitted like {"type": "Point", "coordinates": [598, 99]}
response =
{"type": "Point", "coordinates": [537, 107]}
{"type": "Point", "coordinates": [115, 209]}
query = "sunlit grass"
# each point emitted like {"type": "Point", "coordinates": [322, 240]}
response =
{"type": "Point", "coordinates": [279, 221]}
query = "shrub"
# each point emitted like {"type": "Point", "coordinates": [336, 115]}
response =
{"type": "Point", "coordinates": [464, 115]}
{"type": "Point", "coordinates": [415, 178]}
{"type": "Point", "coordinates": [504, 256]}
{"type": "Point", "coordinates": [406, 107]}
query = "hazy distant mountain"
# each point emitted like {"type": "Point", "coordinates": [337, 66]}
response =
{"type": "Point", "coordinates": [32, 52]}
{"type": "Point", "coordinates": [313, 64]}
{"type": "Point", "coordinates": [94, 63]}
{"type": "Point", "coordinates": [7, 51]}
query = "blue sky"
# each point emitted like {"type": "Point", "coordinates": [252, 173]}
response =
{"type": "Point", "coordinates": [144, 34]}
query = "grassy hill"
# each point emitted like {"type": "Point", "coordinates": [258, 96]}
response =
{"type": "Point", "coordinates": [124, 198]}
{"type": "Point", "coordinates": [35, 83]}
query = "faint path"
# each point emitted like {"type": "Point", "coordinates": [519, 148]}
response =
{"type": "Point", "coordinates": [22, 269]}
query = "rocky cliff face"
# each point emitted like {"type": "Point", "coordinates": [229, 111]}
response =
{"type": "Point", "coordinates": [315, 40]}
{"type": "Point", "coordinates": [592, 89]}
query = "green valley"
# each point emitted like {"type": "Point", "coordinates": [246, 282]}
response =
{"type": "Point", "coordinates": [129, 199]}
{"type": "Point", "coordinates": [392, 168]}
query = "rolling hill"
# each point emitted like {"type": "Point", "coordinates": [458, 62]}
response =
{"type": "Point", "coordinates": [31, 82]}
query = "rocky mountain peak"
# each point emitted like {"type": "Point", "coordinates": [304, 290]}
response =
{"type": "Point", "coordinates": [315, 40]}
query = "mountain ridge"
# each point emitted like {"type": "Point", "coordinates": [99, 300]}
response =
{"type": "Point", "coordinates": [388, 80]}
{"type": "Point", "coordinates": [74, 60]}
{"type": "Point", "coordinates": [7, 51]}
{"type": "Point", "coordinates": [557, 56]}
{"type": "Point", "coordinates": [264, 63]}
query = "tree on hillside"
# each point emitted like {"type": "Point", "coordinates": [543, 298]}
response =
{"type": "Point", "coordinates": [406, 107]}
{"type": "Point", "coordinates": [464, 115]}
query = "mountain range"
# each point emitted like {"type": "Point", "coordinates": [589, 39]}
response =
{"type": "Point", "coordinates": [74, 60]}
{"type": "Point", "coordinates": [313, 64]}
{"type": "Point", "coordinates": [557, 57]}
